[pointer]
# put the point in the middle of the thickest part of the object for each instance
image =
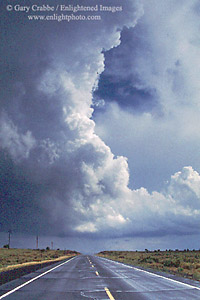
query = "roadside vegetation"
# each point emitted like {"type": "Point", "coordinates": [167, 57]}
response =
{"type": "Point", "coordinates": [183, 263]}
{"type": "Point", "coordinates": [18, 258]}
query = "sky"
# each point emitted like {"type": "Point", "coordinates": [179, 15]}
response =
{"type": "Point", "coordinates": [99, 126]}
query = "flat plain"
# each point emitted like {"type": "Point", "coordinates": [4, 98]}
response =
{"type": "Point", "coordinates": [17, 258]}
{"type": "Point", "coordinates": [182, 263]}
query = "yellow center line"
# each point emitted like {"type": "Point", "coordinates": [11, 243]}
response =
{"type": "Point", "coordinates": [92, 266]}
{"type": "Point", "coordinates": [109, 294]}
{"type": "Point", "coordinates": [97, 273]}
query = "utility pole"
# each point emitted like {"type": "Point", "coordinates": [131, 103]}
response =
{"type": "Point", "coordinates": [9, 234]}
{"type": "Point", "coordinates": [37, 243]}
{"type": "Point", "coordinates": [52, 245]}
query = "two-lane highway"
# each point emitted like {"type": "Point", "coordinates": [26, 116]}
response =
{"type": "Point", "coordinates": [91, 277]}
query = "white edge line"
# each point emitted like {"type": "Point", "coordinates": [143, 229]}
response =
{"type": "Point", "coordinates": [33, 279]}
{"type": "Point", "coordinates": [156, 275]}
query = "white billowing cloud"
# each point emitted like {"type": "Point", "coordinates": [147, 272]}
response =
{"type": "Point", "coordinates": [161, 145]}
{"type": "Point", "coordinates": [161, 57]}
{"type": "Point", "coordinates": [18, 143]}
{"type": "Point", "coordinates": [84, 186]}
{"type": "Point", "coordinates": [87, 227]}
{"type": "Point", "coordinates": [164, 64]}
{"type": "Point", "coordinates": [185, 188]}
{"type": "Point", "coordinates": [175, 210]}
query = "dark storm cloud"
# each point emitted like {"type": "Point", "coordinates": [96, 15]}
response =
{"type": "Point", "coordinates": [120, 82]}
{"type": "Point", "coordinates": [58, 176]}
{"type": "Point", "coordinates": [112, 88]}
{"type": "Point", "coordinates": [47, 138]}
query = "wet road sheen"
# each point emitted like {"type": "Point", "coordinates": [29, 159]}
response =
{"type": "Point", "coordinates": [90, 277]}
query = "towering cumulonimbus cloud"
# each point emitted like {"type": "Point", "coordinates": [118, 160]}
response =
{"type": "Point", "coordinates": [55, 167]}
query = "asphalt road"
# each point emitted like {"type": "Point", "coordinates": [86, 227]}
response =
{"type": "Point", "coordinates": [89, 277]}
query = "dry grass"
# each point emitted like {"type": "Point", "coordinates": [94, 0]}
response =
{"type": "Point", "coordinates": [183, 263]}
{"type": "Point", "coordinates": [18, 258]}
